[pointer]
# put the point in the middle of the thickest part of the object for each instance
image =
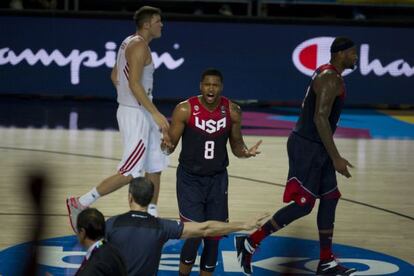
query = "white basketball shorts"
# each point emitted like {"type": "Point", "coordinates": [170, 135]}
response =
{"type": "Point", "coordinates": [141, 138]}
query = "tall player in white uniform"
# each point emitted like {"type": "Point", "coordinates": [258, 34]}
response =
{"type": "Point", "coordinates": [140, 122]}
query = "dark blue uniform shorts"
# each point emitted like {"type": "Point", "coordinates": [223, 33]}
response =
{"type": "Point", "coordinates": [202, 198]}
{"type": "Point", "coordinates": [311, 172]}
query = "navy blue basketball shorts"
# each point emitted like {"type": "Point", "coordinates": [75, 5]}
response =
{"type": "Point", "coordinates": [311, 172]}
{"type": "Point", "coordinates": [202, 198]}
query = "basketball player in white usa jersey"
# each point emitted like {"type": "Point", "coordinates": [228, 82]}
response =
{"type": "Point", "coordinates": [139, 121]}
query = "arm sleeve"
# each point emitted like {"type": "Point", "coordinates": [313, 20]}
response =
{"type": "Point", "coordinates": [108, 227]}
{"type": "Point", "coordinates": [172, 229]}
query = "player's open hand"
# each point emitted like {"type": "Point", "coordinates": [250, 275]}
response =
{"type": "Point", "coordinates": [161, 121]}
{"type": "Point", "coordinates": [166, 145]}
{"type": "Point", "coordinates": [253, 150]}
{"type": "Point", "coordinates": [341, 165]}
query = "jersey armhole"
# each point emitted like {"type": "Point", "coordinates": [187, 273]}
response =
{"type": "Point", "coordinates": [190, 110]}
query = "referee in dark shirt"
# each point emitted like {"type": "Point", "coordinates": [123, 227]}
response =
{"type": "Point", "coordinates": [140, 237]}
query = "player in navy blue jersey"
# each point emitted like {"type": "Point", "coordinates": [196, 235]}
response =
{"type": "Point", "coordinates": [313, 160]}
{"type": "Point", "coordinates": [205, 123]}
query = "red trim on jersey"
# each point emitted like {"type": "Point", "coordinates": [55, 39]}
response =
{"type": "Point", "coordinates": [126, 71]}
{"type": "Point", "coordinates": [132, 156]}
{"type": "Point", "coordinates": [223, 101]}
{"type": "Point", "coordinates": [199, 110]}
{"type": "Point", "coordinates": [329, 66]}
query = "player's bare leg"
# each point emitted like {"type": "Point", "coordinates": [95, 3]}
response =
{"type": "Point", "coordinates": [76, 204]}
{"type": "Point", "coordinates": [185, 269]}
{"type": "Point", "coordinates": [113, 183]}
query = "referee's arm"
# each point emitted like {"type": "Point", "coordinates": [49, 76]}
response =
{"type": "Point", "coordinates": [213, 228]}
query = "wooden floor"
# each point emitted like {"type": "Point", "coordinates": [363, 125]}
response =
{"type": "Point", "coordinates": [376, 212]}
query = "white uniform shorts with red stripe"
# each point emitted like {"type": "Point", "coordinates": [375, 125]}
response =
{"type": "Point", "coordinates": [141, 138]}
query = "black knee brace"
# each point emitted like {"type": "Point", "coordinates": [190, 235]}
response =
{"type": "Point", "coordinates": [189, 251]}
{"type": "Point", "coordinates": [326, 213]}
{"type": "Point", "coordinates": [209, 257]}
{"type": "Point", "coordinates": [291, 212]}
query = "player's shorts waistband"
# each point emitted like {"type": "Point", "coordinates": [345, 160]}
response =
{"type": "Point", "coordinates": [307, 138]}
{"type": "Point", "coordinates": [189, 171]}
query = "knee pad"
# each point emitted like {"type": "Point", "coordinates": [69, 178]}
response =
{"type": "Point", "coordinates": [326, 213]}
{"type": "Point", "coordinates": [291, 212]}
{"type": "Point", "coordinates": [189, 251]}
{"type": "Point", "coordinates": [208, 260]}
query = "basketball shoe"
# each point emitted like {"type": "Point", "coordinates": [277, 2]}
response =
{"type": "Point", "coordinates": [152, 210]}
{"type": "Point", "coordinates": [74, 208]}
{"type": "Point", "coordinates": [332, 267]}
{"type": "Point", "coordinates": [244, 253]}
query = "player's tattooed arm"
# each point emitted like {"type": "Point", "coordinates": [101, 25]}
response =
{"type": "Point", "coordinates": [327, 86]}
{"type": "Point", "coordinates": [238, 147]}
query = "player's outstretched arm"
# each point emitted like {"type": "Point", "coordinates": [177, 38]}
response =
{"type": "Point", "coordinates": [179, 119]}
{"type": "Point", "coordinates": [238, 147]}
{"type": "Point", "coordinates": [213, 228]}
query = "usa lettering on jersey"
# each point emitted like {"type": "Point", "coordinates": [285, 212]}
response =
{"type": "Point", "coordinates": [210, 126]}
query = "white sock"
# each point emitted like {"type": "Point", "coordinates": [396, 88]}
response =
{"type": "Point", "coordinates": [152, 209]}
{"type": "Point", "coordinates": [89, 198]}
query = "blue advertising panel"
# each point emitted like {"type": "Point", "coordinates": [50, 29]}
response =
{"type": "Point", "coordinates": [267, 62]}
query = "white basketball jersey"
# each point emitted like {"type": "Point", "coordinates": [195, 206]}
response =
{"type": "Point", "coordinates": [125, 95]}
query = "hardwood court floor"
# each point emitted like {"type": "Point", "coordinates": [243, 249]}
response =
{"type": "Point", "coordinates": [376, 211]}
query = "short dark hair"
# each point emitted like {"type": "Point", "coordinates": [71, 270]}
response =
{"type": "Point", "coordinates": [212, 72]}
{"type": "Point", "coordinates": [145, 14]}
{"type": "Point", "coordinates": [93, 222]}
{"type": "Point", "coordinates": [141, 190]}
{"type": "Point", "coordinates": [341, 43]}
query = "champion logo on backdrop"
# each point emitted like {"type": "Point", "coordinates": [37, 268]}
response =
{"type": "Point", "coordinates": [314, 52]}
{"type": "Point", "coordinates": [76, 59]}
{"type": "Point", "coordinates": [311, 54]}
